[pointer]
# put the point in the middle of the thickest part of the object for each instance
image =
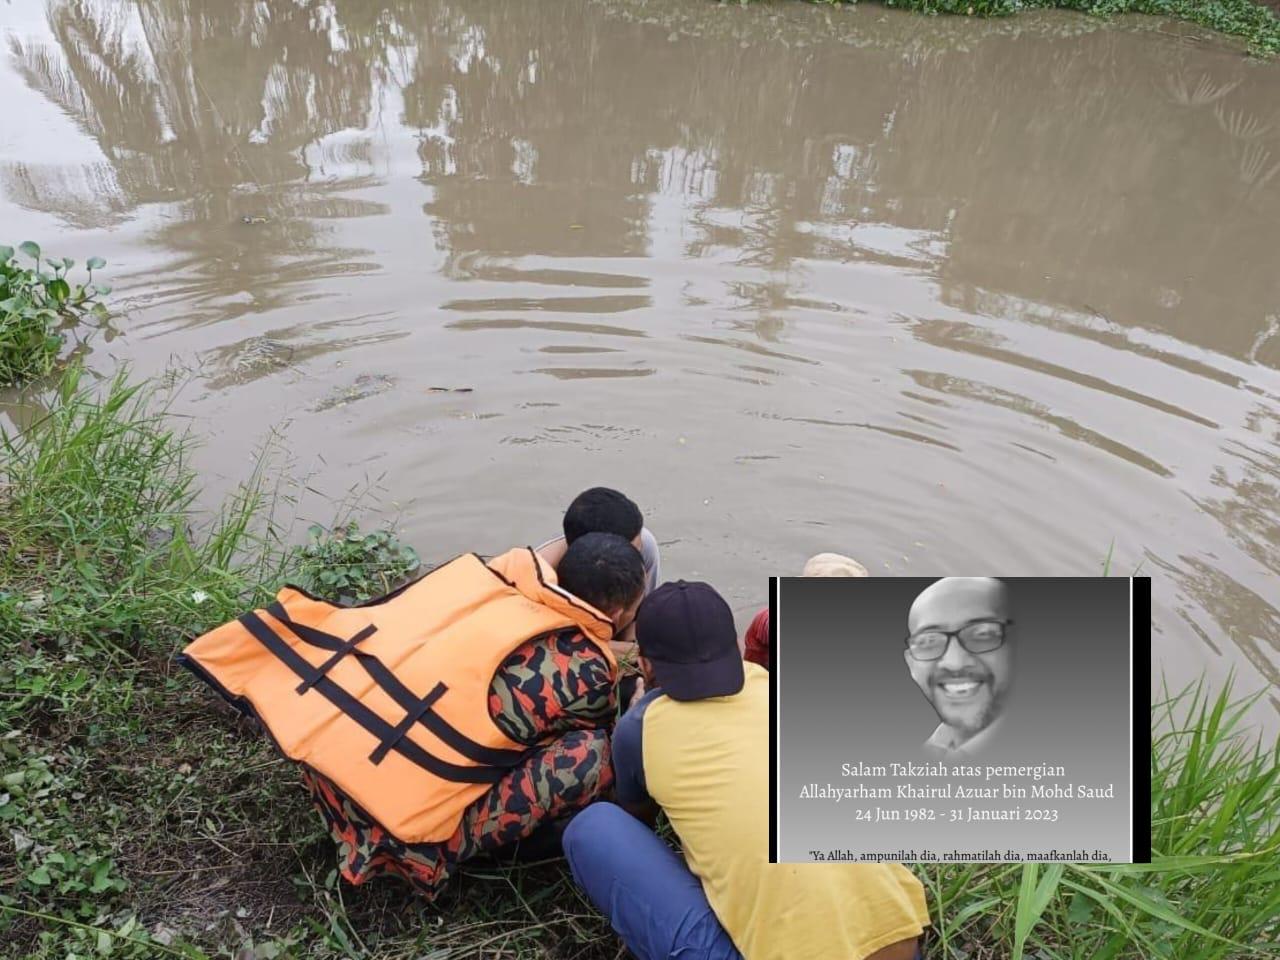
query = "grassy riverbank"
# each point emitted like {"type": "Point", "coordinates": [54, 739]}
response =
{"type": "Point", "coordinates": [140, 818]}
{"type": "Point", "coordinates": [1255, 23]}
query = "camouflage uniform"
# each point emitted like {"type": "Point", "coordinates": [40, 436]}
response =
{"type": "Point", "coordinates": [559, 686]}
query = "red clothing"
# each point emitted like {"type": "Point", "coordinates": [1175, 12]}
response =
{"type": "Point", "coordinates": [757, 642]}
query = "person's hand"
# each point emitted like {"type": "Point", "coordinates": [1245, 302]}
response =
{"type": "Point", "coordinates": [639, 689]}
{"type": "Point", "coordinates": [625, 653]}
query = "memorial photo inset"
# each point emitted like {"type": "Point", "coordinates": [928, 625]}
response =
{"type": "Point", "coordinates": [957, 654]}
{"type": "Point", "coordinates": [960, 718]}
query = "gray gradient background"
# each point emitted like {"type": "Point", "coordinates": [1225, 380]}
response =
{"type": "Point", "coordinates": [847, 696]}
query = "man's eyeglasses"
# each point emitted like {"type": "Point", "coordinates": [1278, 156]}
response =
{"type": "Point", "coordinates": [980, 636]}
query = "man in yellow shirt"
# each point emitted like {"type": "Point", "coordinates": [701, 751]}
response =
{"type": "Point", "coordinates": [696, 745]}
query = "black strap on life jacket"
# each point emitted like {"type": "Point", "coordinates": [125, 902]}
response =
{"type": "Point", "coordinates": [392, 738]}
{"type": "Point", "coordinates": [410, 718]}
{"type": "Point", "coordinates": [345, 647]}
{"type": "Point", "coordinates": [405, 698]}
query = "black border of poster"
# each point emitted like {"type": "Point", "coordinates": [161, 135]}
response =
{"type": "Point", "coordinates": [1140, 699]}
{"type": "Point", "coordinates": [773, 720]}
{"type": "Point", "coordinates": [1140, 645]}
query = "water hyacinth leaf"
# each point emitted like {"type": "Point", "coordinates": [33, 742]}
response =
{"type": "Point", "coordinates": [31, 249]}
{"type": "Point", "coordinates": [60, 290]}
{"type": "Point", "coordinates": [95, 263]}
{"type": "Point", "coordinates": [6, 254]}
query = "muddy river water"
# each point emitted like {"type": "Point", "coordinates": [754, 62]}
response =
{"type": "Point", "coordinates": [947, 296]}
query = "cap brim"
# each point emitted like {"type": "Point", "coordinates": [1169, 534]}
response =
{"type": "Point", "coordinates": [722, 677]}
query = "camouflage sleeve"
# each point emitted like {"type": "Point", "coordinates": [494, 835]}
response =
{"type": "Point", "coordinates": [552, 686]}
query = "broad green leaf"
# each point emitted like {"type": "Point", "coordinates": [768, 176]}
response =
{"type": "Point", "coordinates": [101, 878]}
{"type": "Point", "coordinates": [59, 290]}
{"type": "Point", "coordinates": [31, 249]}
{"type": "Point", "coordinates": [1080, 910]}
{"type": "Point", "coordinates": [40, 877]}
{"type": "Point", "coordinates": [95, 263]}
{"type": "Point", "coordinates": [6, 254]}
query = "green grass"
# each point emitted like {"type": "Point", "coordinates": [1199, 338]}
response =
{"type": "Point", "coordinates": [1256, 24]}
{"type": "Point", "coordinates": [140, 818]}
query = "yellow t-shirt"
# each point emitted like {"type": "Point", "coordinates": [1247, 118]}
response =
{"type": "Point", "coordinates": [706, 763]}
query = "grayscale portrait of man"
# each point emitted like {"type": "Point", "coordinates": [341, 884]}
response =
{"type": "Point", "coordinates": [960, 651]}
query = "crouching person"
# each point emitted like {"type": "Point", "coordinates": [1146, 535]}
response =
{"type": "Point", "coordinates": [696, 746]}
{"type": "Point", "coordinates": [464, 713]}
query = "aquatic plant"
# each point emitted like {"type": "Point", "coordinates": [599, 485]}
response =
{"type": "Point", "coordinates": [1256, 24]}
{"type": "Point", "coordinates": [346, 566]}
{"type": "Point", "coordinates": [35, 305]}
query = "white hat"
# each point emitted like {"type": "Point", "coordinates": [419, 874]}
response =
{"type": "Point", "coordinates": [833, 565]}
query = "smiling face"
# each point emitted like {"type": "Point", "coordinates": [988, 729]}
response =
{"type": "Point", "coordinates": [968, 690]}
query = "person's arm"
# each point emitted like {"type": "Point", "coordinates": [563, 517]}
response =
{"type": "Point", "coordinates": [552, 686]}
{"type": "Point", "coordinates": [623, 644]}
{"type": "Point", "coordinates": [630, 788]}
{"type": "Point", "coordinates": [652, 560]}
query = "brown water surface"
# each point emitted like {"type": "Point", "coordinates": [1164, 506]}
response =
{"type": "Point", "coordinates": [948, 296]}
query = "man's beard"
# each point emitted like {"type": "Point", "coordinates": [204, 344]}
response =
{"type": "Point", "coordinates": [969, 727]}
{"type": "Point", "coordinates": [965, 721]}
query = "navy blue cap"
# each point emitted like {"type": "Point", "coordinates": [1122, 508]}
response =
{"type": "Point", "coordinates": [685, 630]}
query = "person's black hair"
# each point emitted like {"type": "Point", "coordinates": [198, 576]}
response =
{"type": "Point", "coordinates": [602, 510]}
{"type": "Point", "coordinates": [603, 569]}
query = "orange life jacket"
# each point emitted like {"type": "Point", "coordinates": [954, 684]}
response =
{"type": "Point", "coordinates": [390, 700]}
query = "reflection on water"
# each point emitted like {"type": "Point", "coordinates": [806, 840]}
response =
{"type": "Point", "coordinates": [946, 296]}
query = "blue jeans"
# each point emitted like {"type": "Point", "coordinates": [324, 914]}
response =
{"type": "Point", "coordinates": [653, 901]}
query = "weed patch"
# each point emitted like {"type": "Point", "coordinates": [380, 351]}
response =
{"type": "Point", "coordinates": [347, 566]}
{"type": "Point", "coordinates": [37, 304]}
{"type": "Point", "coordinates": [1255, 24]}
